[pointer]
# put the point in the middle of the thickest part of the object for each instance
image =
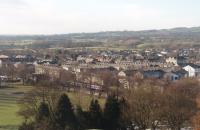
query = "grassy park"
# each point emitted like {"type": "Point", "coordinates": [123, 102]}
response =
{"type": "Point", "coordinates": [83, 100]}
{"type": "Point", "coordinates": [9, 119]}
{"type": "Point", "coordinates": [9, 96]}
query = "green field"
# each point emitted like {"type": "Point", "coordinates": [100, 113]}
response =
{"type": "Point", "coordinates": [84, 100]}
{"type": "Point", "coordinates": [9, 120]}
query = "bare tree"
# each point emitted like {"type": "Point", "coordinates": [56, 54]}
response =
{"type": "Point", "coordinates": [180, 104]}
{"type": "Point", "coordinates": [25, 72]}
{"type": "Point", "coordinates": [144, 107]}
{"type": "Point", "coordinates": [110, 80]}
{"type": "Point", "coordinates": [44, 91]}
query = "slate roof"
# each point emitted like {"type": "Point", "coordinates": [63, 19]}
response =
{"type": "Point", "coordinates": [192, 65]}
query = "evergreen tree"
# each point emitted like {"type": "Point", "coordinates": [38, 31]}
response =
{"type": "Point", "coordinates": [43, 112]}
{"type": "Point", "coordinates": [112, 113]}
{"type": "Point", "coordinates": [42, 117]}
{"type": "Point", "coordinates": [95, 115]}
{"type": "Point", "coordinates": [81, 118]}
{"type": "Point", "coordinates": [64, 113]}
{"type": "Point", "coordinates": [27, 126]}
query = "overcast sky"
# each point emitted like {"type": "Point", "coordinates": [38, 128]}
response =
{"type": "Point", "coordinates": [69, 16]}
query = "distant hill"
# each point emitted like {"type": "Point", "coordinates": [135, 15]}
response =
{"type": "Point", "coordinates": [132, 39]}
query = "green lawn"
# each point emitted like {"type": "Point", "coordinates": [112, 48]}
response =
{"type": "Point", "coordinates": [84, 100]}
{"type": "Point", "coordinates": [9, 120]}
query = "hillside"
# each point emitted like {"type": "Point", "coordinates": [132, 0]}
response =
{"type": "Point", "coordinates": [131, 39]}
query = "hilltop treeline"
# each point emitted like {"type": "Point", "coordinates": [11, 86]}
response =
{"type": "Point", "coordinates": [177, 37]}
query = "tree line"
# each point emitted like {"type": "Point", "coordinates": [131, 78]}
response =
{"type": "Point", "coordinates": [147, 106]}
{"type": "Point", "coordinates": [67, 117]}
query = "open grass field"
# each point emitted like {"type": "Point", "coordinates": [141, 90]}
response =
{"type": "Point", "coordinates": [84, 100]}
{"type": "Point", "coordinates": [9, 119]}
